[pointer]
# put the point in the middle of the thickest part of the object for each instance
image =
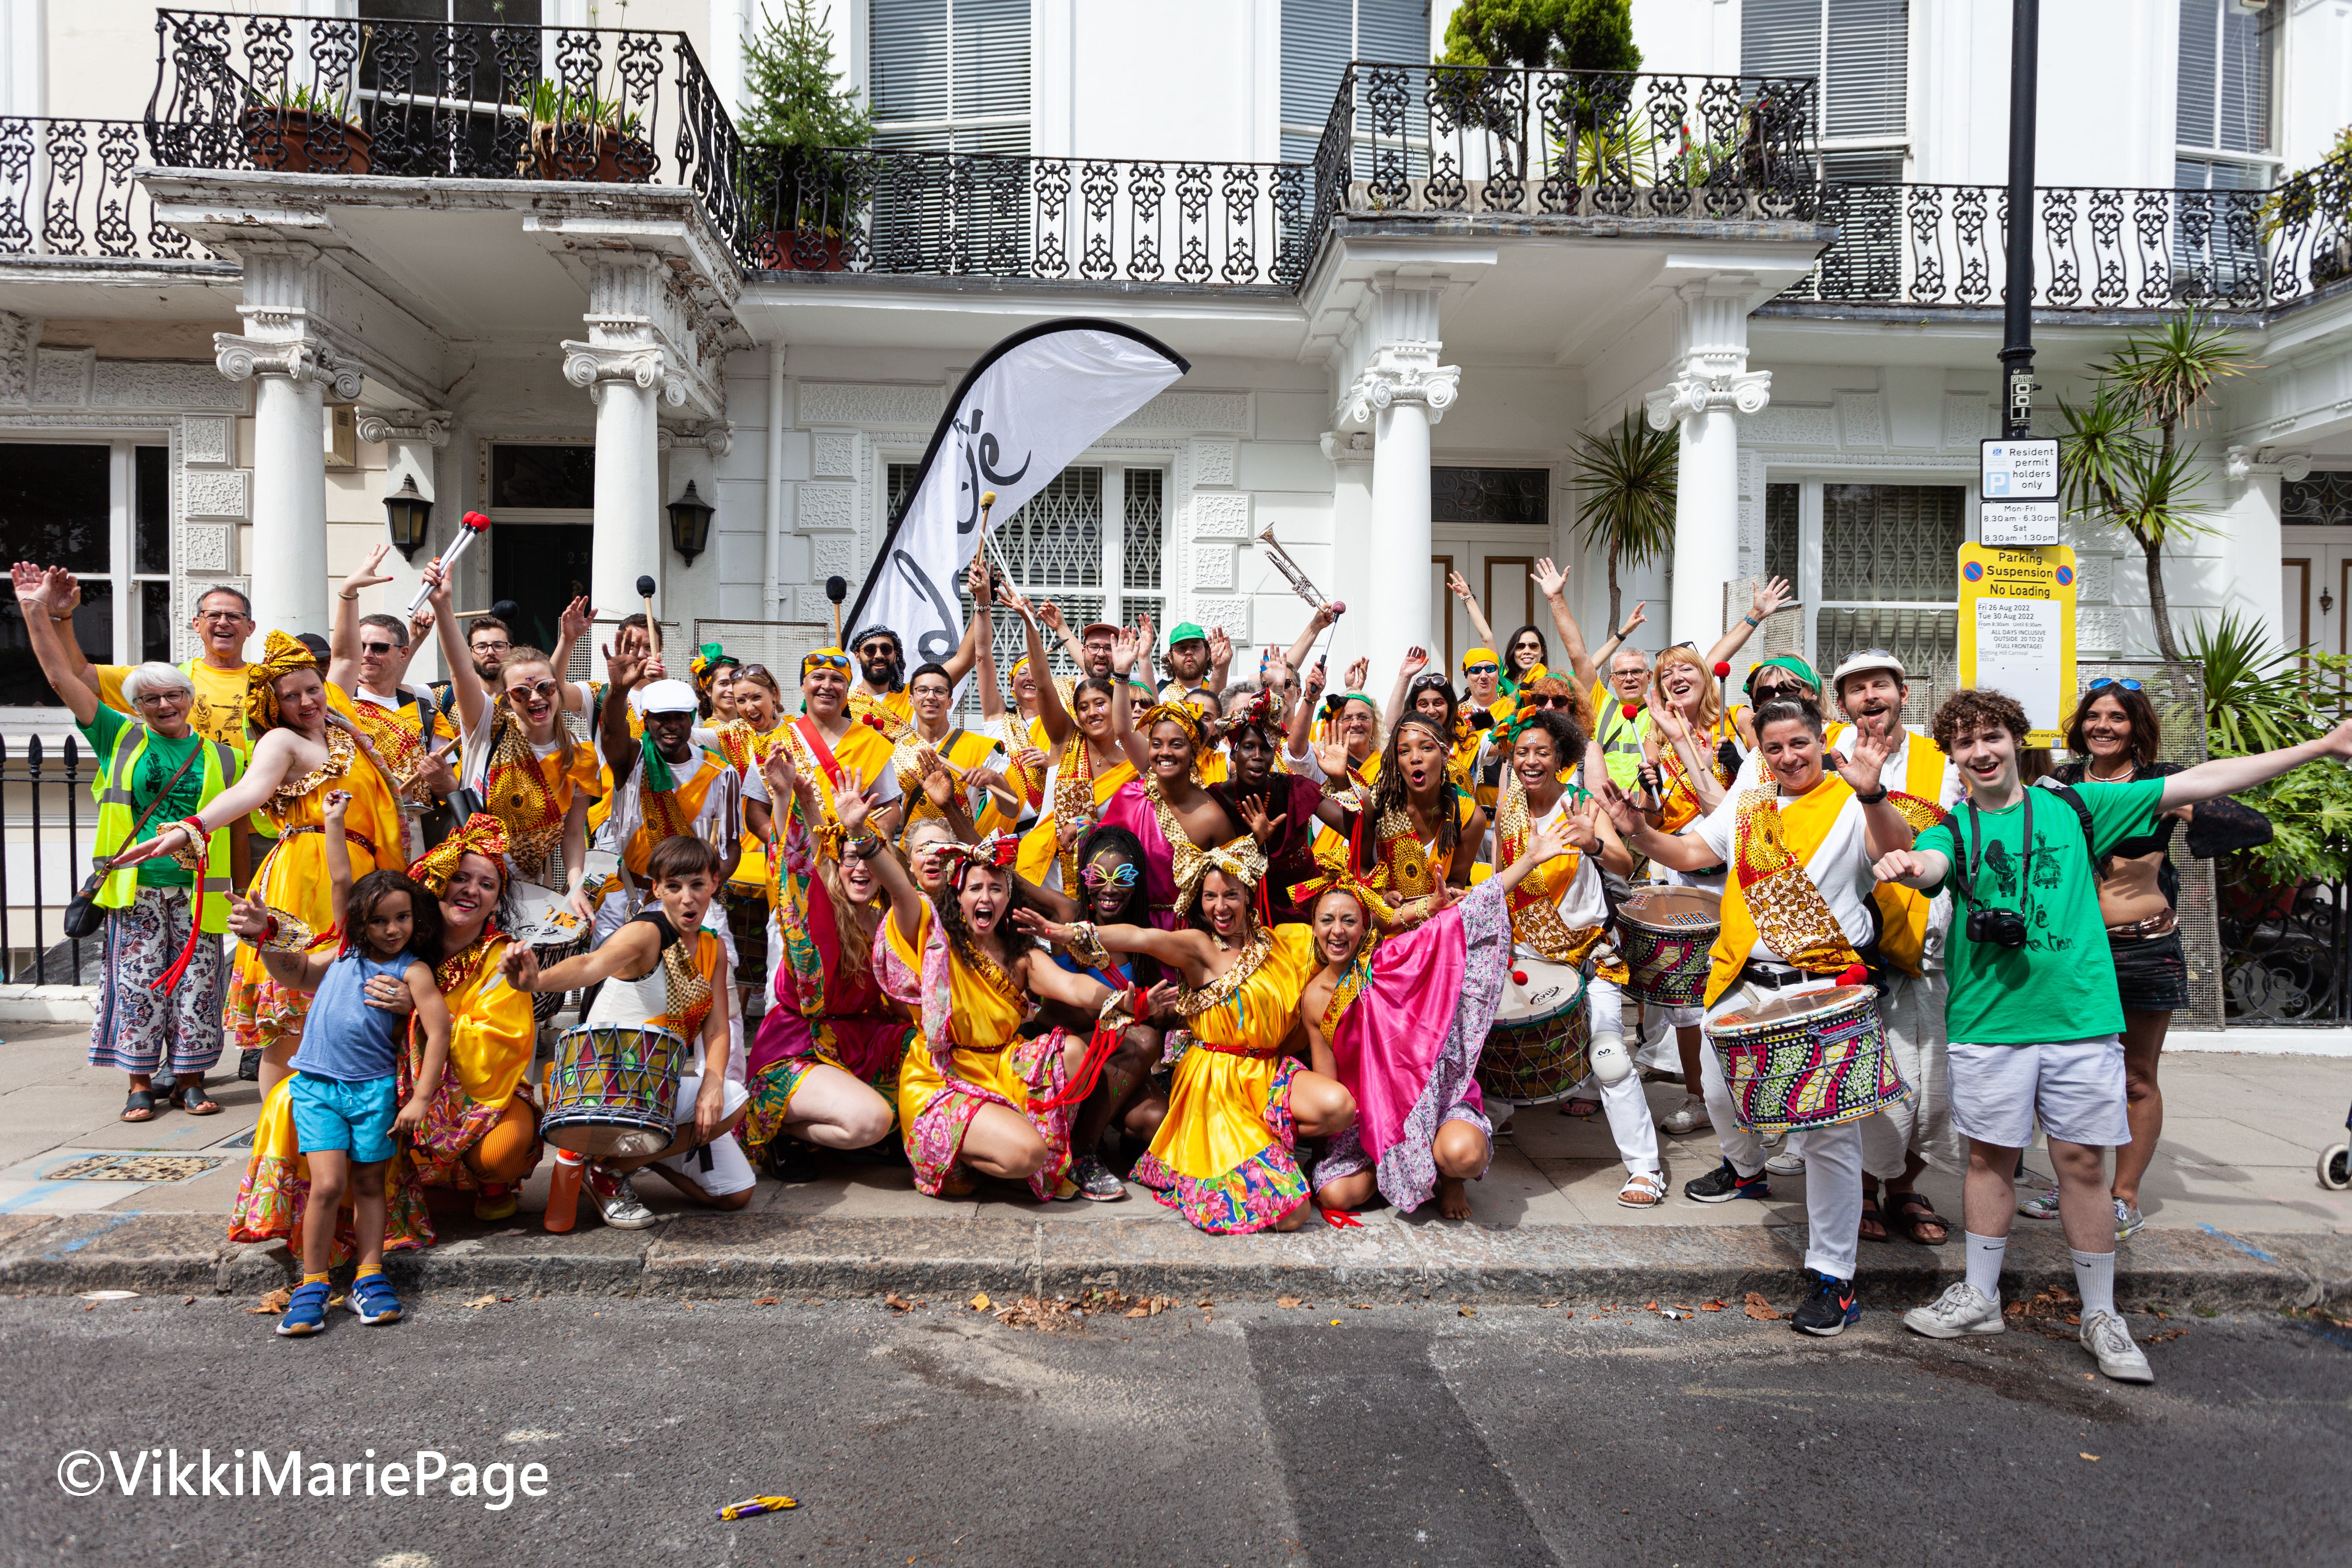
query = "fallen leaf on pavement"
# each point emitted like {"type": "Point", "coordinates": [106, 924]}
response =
{"type": "Point", "coordinates": [1710, 1306]}
{"type": "Point", "coordinates": [1760, 1309]}
{"type": "Point", "coordinates": [1651, 1308]}
{"type": "Point", "coordinates": [276, 1301]}
{"type": "Point", "coordinates": [765, 1301]}
{"type": "Point", "coordinates": [979, 1303]}
{"type": "Point", "coordinates": [1469, 1311]}
{"type": "Point", "coordinates": [1548, 1305]}
{"type": "Point", "coordinates": [2092, 1458]}
{"type": "Point", "coordinates": [1361, 1306]}
{"type": "Point", "coordinates": [478, 1302]}
{"type": "Point", "coordinates": [898, 1303]}
{"type": "Point", "coordinates": [1287, 1302]}
{"type": "Point", "coordinates": [1204, 1302]}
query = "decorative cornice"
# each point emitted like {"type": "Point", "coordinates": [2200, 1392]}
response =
{"type": "Point", "coordinates": [2242, 463]}
{"type": "Point", "coordinates": [1348, 445]}
{"type": "Point", "coordinates": [241, 358]}
{"type": "Point", "coordinates": [716, 437]}
{"type": "Point", "coordinates": [1746, 391]}
{"type": "Point", "coordinates": [379, 426]}
{"type": "Point", "coordinates": [647, 365]}
{"type": "Point", "coordinates": [1404, 372]}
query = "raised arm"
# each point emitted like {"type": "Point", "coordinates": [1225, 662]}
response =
{"type": "Point", "coordinates": [343, 636]}
{"type": "Point", "coordinates": [1123, 655]}
{"type": "Point", "coordinates": [1189, 952]}
{"type": "Point", "coordinates": [984, 596]}
{"type": "Point", "coordinates": [1221, 659]}
{"type": "Point", "coordinates": [959, 663]}
{"type": "Point", "coordinates": [1770, 598]}
{"type": "Point", "coordinates": [61, 660]}
{"type": "Point", "coordinates": [613, 738]}
{"type": "Point", "coordinates": [1551, 582]}
{"type": "Point", "coordinates": [1317, 625]}
{"type": "Point", "coordinates": [2227, 776]}
{"type": "Point", "coordinates": [570, 628]}
{"type": "Point", "coordinates": [1059, 727]}
{"type": "Point", "coordinates": [272, 755]}
{"type": "Point", "coordinates": [464, 683]}
{"type": "Point", "coordinates": [1461, 587]}
{"type": "Point", "coordinates": [1885, 829]}
{"type": "Point", "coordinates": [1415, 660]}
{"type": "Point", "coordinates": [1679, 851]}
{"type": "Point", "coordinates": [338, 854]}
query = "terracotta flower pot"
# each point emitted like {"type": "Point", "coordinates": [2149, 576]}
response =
{"type": "Point", "coordinates": [301, 141]}
{"type": "Point", "coordinates": [620, 158]}
{"type": "Point", "coordinates": [778, 250]}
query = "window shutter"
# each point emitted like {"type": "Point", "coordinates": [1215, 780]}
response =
{"type": "Point", "coordinates": [1869, 62]}
{"type": "Point", "coordinates": [1393, 32]}
{"type": "Point", "coordinates": [1318, 41]}
{"type": "Point", "coordinates": [2199, 45]}
{"type": "Point", "coordinates": [908, 48]}
{"type": "Point", "coordinates": [2245, 97]}
{"type": "Point", "coordinates": [992, 59]}
{"type": "Point", "coordinates": [1780, 37]}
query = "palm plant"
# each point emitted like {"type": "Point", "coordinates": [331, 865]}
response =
{"type": "Point", "coordinates": [2122, 460]}
{"type": "Point", "coordinates": [2256, 699]}
{"type": "Point", "coordinates": [1628, 477]}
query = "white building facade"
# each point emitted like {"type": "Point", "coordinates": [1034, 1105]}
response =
{"type": "Point", "coordinates": [227, 331]}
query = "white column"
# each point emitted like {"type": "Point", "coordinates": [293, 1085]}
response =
{"type": "Point", "coordinates": [772, 529]}
{"type": "Point", "coordinates": [629, 372]}
{"type": "Point", "coordinates": [1711, 381]}
{"type": "Point", "coordinates": [293, 370]}
{"type": "Point", "coordinates": [412, 439]}
{"type": "Point", "coordinates": [1401, 391]}
{"type": "Point", "coordinates": [2249, 542]}
{"type": "Point", "coordinates": [1351, 526]}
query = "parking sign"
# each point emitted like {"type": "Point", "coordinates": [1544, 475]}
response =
{"type": "Point", "coordinates": [2018, 481]}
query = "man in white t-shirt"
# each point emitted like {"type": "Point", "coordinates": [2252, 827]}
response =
{"type": "Point", "coordinates": [1817, 834]}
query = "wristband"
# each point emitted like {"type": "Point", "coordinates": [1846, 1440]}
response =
{"type": "Point", "coordinates": [1751, 620]}
{"type": "Point", "coordinates": [1870, 799]}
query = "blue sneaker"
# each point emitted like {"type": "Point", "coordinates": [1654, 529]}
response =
{"type": "Point", "coordinates": [373, 1300]}
{"type": "Point", "coordinates": [1827, 1312]}
{"type": "Point", "coordinates": [306, 1310]}
{"type": "Point", "coordinates": [1724, 1184]}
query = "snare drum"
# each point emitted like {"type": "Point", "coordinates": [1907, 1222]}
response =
{"type": "Point", "coordinates": [1814, 1061]}
{"type": "Point", "coordinates": [610, 1089]}
{"type": "Point", "coordinates": [545, 924]}
{"type": "Point", "coordinates": [1667, 934]}
{"type": "Point", "coordinates": [1537, 1050]}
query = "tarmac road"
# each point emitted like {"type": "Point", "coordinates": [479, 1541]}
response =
{"type": "Point", "coordinates": [1243, 1433]}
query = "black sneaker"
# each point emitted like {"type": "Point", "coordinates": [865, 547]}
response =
{"type": "Point", "coordinates": [1724, 1184]}
{"type": "Point", "coordinates": [1096, 1183]}
{"type": "Point", "coordinates": [1828, 1310]}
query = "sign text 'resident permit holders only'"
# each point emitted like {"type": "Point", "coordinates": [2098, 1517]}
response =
{"type": "Point", "coordinates": [2018, 481]}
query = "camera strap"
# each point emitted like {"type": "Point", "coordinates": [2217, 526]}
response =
{"type": "Point", "coordinates": [1975, 855]}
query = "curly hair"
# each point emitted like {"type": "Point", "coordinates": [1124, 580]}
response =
{"type": "Point", "coordinates": [1568, 738]}
{"type": "Point", "coordinates": [1972, 710]}
{"type": "Point", "coordinates": [949, 902]}
{"type": "Point", "coordinates": [1389, 790]}
{"type": "Point", "coordinates": [2146, 734]}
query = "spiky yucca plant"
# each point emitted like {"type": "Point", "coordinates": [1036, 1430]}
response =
{"type": "Point", "coordinates": [1628, 477]}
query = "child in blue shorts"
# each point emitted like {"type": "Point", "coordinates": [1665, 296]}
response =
{"type": "Point", "coordinates": [345, 1087]}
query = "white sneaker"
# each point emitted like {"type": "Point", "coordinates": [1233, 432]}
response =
{"type": "Point", "coordinates": [1607, 1060]}
{"type": "Point", "coordinates": [2110, 1343]}
{"type": "Point", "coordinates": [1688, 1117]}
{"type": "Point", "coordinates": [1787, 1162]}
{"type": "Point", "coordinates": [1962, 1308]}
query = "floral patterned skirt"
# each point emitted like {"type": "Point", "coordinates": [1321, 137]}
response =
{"type": "Point", "coordinates": [1222, 1157]}
{"type": "Point", "coordinates": [839, 1042]}
{"type": "Point", "coordinates": [277, 1188]}
{"type": "Point", "coordinates": [935, 1111]}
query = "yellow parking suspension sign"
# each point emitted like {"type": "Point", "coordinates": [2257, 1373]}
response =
{"type": "Point", "coordinates": [2017, 630]}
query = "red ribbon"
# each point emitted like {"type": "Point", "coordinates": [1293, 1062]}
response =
{"type": "Point", "coordinates": [1100, 1045]}
{"type": "Point", "coordinates": [1340, 1219]}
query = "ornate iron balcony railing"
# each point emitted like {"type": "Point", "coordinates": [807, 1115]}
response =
{"type": "Point", "coordinates": [66, 189]}
{"type": "Point", "coordinates": [345, 96]}
{"type": "Point", "coordinates": [1092, 220]}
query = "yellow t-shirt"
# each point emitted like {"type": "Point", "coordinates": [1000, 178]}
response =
{"type": "Point", "coordinates": [219, 710]}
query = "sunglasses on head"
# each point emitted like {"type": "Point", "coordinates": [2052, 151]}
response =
{"type": "Point", "coordinates": [1774, 690]}
{"type": "Point", "coordinates": [2103, 682]}
{"type": "Point", "coordinates": [825, 661]}
{"type": "Point", "coordinates": [1120, 876]}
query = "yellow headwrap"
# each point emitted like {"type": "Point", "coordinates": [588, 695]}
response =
{"type": "Point", "coordinates": [1480, 656]}
{"type": "Point", "coordinates": [1185, 717]}
{"type": "Point", "coordinates": [483, 835]}
{"type": "Point", "coordinates": [834, 656]}
{"type": "Point", "coordinates": [1339, 875]}
{"type": "Point", "coordinates": [1241, 860]}
{"type": "Point", "coordinates": [281, 656]}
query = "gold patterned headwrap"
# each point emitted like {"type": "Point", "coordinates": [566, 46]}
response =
{"type": "Point", "coordinates": [1185, 717]}
{"type": "Point", "coordinates": [1338, 875]}
{"type": "Point", "coordinates": [1241, 860]}
{"type": "Point", "coordinates": [281, 656]}
{"type": "Point", "coordinates": [483, 835]}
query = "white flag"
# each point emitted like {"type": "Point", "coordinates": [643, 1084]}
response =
{"type": "Point", "coordinates": [1031, 404]}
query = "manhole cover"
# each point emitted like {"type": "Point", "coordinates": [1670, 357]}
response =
{"type": "Point", "coordinates": [131, 1168]}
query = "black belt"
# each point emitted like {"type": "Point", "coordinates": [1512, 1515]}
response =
{"type": "Point", "coordinates": [1771, 980]}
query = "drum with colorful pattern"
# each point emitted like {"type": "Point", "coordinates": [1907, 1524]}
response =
{"type": "Point", "coordinates": [1814, 1061]}
{"type": "Point", "coordinates": [1665, 935]}
{"type": "Point", "coordinates": [1536, 1052]}
{"type": "Point", "coordinates": [610, 1089]}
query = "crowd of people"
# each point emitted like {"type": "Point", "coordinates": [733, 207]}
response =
{"type": "Point", "coordinates": [1264, 949]}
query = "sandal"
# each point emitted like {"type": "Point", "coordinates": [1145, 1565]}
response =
{"type": "Point", "coordinates": [1871, 1221]}
{"type": "Point", "coordinates": [1914, 1214]}
{"type": "Point", "coordinates": [1582, 1107]}
{"type": "Point", "coordinates": [139, 1106]}
{"type": "Point", "coordinates": [1643, 1191]}
{"type": "Point", "coordinates": [189, 1095]}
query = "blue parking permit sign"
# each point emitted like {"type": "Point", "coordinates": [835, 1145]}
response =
{"type": "Point", "coordinates": [2016, 486]}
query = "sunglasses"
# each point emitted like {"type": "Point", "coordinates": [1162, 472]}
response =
{"type": "Point", "coordinates": [2103, 682]}
{"type": "Point", "coordinates": [1541, 701]}
{"type": "Point", "coordinates": [1121, 877]}
{"type": "Point", "coordinates": [379, 648]}
{"type": "Point", "coordinates": [1776, 691]}
{"type": "Point", "coordinates": [545, 689]}
{"type": "Point", "coordinates": [1483, 669]}
{"type": "Point", "coordinates": [824, 661]}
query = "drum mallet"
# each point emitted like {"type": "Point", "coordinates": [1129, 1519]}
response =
{"type": "Point", "coordinates": [653, 627]}
{"type": "Point", "coordinates": [837, 589]}
{"type": "Point", "coordinates": [475, 523]}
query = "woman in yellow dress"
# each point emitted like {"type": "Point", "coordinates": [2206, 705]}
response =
{"type": "Point", "coordinates": [1239, 1102]}
{"type": "Point", "coordinates": [301, 752]}
{"type": "Point", "coordinates": [974, 1097]}
{"type": "Point", "coordinates": [1090, 762]}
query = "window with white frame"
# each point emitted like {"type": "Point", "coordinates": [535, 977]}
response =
{"type": "Point", "coordinates": [1859, 51]}
{"type": "Point", "coordinates": [2223, 127]}
{"type": "Point", "coordinates": [102, 509]}
{"type": "Point", "coordinates": [1876, 564]}
{"type": "Point", "coordinates": [950, 76]}
{"type": "Point", "coordinates": [1319, 38]}
{"type": "Point", "coordinates": [1063, 546]}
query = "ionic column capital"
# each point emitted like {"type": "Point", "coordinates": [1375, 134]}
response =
{"type": "Point", "coordinates": [1690, 394]}
{"type": "Point", "coordinates": [298, 359]}
{"type": "Point", "coordinates": [716, 437]}
{"type": "Point", "coordinates": [2242, 463]}
{"type": "Point", "coordinates": [644, 365]}
{"type": "Point", "coordinates": [1404, 372]}
{"type": "Point", "coordinates": [430, 426]}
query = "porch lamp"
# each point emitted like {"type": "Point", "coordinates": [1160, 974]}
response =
{"type": "Point", "coordinates": [689, 523]}
{"type": "Point", "coordinates": [409, 516]}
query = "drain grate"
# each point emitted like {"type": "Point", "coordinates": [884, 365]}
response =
{"type": "Point", "coordinates": [131, 1168]}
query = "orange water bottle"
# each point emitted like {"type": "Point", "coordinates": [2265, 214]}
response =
{"type": "Point", "coordinates": [564, 1191]}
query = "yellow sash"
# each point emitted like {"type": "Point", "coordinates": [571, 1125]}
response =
{"type": "Point", "coordinates": [1902, 913]}
{"type": "Point", "coordinates": [1534, 904]}
{"type": "Point", "coordinates": [1769, 894]}
{"type": "Point", "coordinates": [672, 814]}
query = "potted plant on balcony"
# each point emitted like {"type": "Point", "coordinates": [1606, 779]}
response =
{"type": "Point", "coordinates": [305, 130]}
{"type": "Point", "coordinates": [799, 124]}
{"type": "Point", "coordinates": [578, 134]}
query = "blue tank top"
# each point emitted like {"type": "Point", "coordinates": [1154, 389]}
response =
{"type": "Point", "coordinates": [342, 1036]}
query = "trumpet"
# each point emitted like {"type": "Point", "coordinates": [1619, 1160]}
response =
{"type": "Point", "coordinates": [1289, 569]}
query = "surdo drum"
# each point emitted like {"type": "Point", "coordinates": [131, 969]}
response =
{"type": "Point", "coordinates": [1665, 935]}
{"type": "Point", "coordinates": [1800, 1062]}
{"type": "Point", "coordinates": [1537, 1050]}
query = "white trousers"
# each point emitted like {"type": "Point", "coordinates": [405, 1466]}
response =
{"type": "Point", "coordinates": [1832, 1155]}
{"type": "Point", "coordinates": [1913, 1010]}
{"type": "Point", "coordinates": [1627, 1108]}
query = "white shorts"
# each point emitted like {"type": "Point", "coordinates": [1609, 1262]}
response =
{"type": "Point", "coordinates": [730, 1169]}
{"type": "Point", "coordinates": [2075, 1087]}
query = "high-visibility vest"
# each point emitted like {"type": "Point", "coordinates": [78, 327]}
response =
{"type": "Point", "coordinates": [116, 815]}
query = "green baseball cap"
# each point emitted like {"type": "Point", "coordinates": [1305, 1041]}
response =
{"type": "Point", "coordinates": [1185, 631]}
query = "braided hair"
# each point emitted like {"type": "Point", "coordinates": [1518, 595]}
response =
{"type": "Point", "coordinates": [1389, 790]}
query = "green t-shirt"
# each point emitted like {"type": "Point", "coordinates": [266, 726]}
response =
{"type": "Point", "coordinates": [157, 764]}
{"type": "Point", "coordinates": [2061, 985]}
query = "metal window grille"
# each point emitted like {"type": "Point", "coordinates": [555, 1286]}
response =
{"type": "Point", "coordinates": [1886, 581]}
{"type": "Point", "coordinates": [1490, 495]}
{"type": "Point", "coordinates": [2322, 499]}
{"type": "Point", "coordinates": [1782, 504]}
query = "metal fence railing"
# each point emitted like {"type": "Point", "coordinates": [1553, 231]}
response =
{"type": "Point", "coordinates": [67, 189]}
{"type": "Point", "coordinates": [48, 826]}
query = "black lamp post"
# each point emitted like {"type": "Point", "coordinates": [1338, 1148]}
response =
{"type": "Point", "coordinates": [410, 517]}
{"type": "Point", "coordinates": [689, 523]}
